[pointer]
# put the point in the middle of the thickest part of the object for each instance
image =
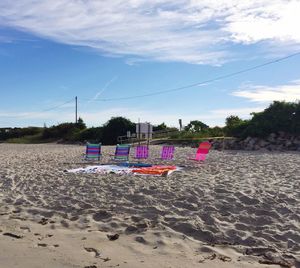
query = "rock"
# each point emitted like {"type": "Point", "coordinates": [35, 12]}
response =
{"type": "Point", "coordinates": [256, 147]}
{"type": "Point", "coordinates": [271, 137]}
{"type": "Point", "coordinates": [263, 150]}
{"type": "Point", "coordinates": [274, 142]}
{"type": "Point", "coordinates": [297, 141]}
{"type": "Point", "coordinates": [263, 143]}
{"type": "Point", "coordinates": [247, 140]}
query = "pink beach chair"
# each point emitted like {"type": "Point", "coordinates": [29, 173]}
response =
{"type": "Point", "coordinates": [142, 152]}
{"type": "Point", "coordinates": [202, 151]}
{"type": "Point", "coordinates": [167, 152]}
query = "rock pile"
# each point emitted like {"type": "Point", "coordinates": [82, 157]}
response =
{"type": "Point", "coordinates": [280, 141]}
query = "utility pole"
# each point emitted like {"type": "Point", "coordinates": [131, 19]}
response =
{"type": "Point", "coordinates": [76, 110]}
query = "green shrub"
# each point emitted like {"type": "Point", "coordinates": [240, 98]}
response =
{"type": "Point", "coordinates": [279, 116]}
{"type": "Point", "coordinates": [93, 134]}
{"type": "Point", "coordinates": [116, 126]}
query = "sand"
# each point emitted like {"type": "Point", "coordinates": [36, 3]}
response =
{"type": "Point", "coordinates": [238, 209]}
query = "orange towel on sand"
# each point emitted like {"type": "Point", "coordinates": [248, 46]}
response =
{"type": "Point", "coordinates": [154, 170]}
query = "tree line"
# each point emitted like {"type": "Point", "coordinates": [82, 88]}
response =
{"type": "Point", "coordinates": [279, 116]}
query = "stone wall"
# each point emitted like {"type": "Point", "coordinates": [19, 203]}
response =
{"type": "Point", "coordinates": [274, 142]}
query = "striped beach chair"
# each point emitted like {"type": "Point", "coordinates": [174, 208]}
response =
{"type": "Point", "coordinates": [167, 152]}
{"type": "Point", "coordinates": [122, 152]}
{"type": "Point", "coordinates": [93, 151]}
{"type": "Point", "coordinates": [142, 152]}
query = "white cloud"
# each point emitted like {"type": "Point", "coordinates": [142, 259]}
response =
{"type": "Point", "coordinates": [289, 92]}
{"type": "Point", "coordinates": [242, 112]}
{"type": "Point", "coordinates": [26, 115]}
{"type": "Point", "coordinates": [190, 31]}
{"type": "Point", "coordinates": [97, 118]}
{"type": "Point", "coordinates": [265, 20]}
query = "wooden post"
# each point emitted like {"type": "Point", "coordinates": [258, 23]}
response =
{"type": "Point", "coordinates": [148, 138]}
{"type": "Point", "coordinates": [76, 121]}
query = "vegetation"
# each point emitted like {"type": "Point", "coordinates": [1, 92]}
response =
{"type": "Point", "coordinates": [278, 117]}
{"type": "Point", "coordinates": [196, 127]}
{"type": "Point", "coordinates": [116, 126]}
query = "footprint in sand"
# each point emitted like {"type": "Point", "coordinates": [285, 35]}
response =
{"type": "Point", "coordinates": [113, 236]}
{"type": "Point", "coordinates": [140, 239]}
{"type": "Point", "coordinates": [13, 235]}
{"type": "Point", "coordinates": [101, 215]}
{"type": "Point", "coordinates": [131, 229]}
{"type": "Point", "coordinates": [94, 251]}
{"type": "Point", "coordinates": [25, 228]}
{"type": "Point", "coordinates": [43, 221]}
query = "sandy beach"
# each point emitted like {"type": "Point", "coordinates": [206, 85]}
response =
{"type": "Point", "coordinates": [238, 209]}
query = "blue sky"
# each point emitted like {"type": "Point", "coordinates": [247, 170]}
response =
{"type": "Point", "coordinates": [52, 51]}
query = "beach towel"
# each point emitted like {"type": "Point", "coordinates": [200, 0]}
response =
{"type": "Point", "coordinates": [156, 170]}
{"type": "Point", "coordinates": [102, 169]}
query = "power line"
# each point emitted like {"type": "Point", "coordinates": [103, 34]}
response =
{"type": "Point", "coordinates": [167, 90]}
{"type": "Point", "coordinates": [57, 106]}
{"type": "Point", "coordinates": [202, 82]}
{"type": "Point", "coordinates": [42, 111]}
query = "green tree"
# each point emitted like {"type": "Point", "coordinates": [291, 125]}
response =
{"type": "Point", "coordinates": [161, 126]}
{"type": "Point", "coordinates": [279, 116]}
{"type": "Point", "coordinates": [116, 126]}
{"type": "Point", "coordinates": [233, 121]}
{"type": "Point", "coordinates": [64, 131]}
{"type": "Point", "coordinates": [80, 124]}
{"type": "Point", "coordinates": [93, 134]}
{"type": "Point", "coordinates": [215, 132]}
{"type": "Point", "coordinates": [233, 124]}
{"type": "Point", "coordinates": [196, 126]}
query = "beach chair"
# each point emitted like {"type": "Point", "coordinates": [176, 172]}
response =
{"type": "Point", "coordinates": [202, 151]}
{"type": "Point", "coordinates": [122, 152]}
{"type": "Point", "coordinates": [167, 152]}
{"type": "Point", "coordinates": [93, 151]}
{"type": "Point", "coordinates": [141, 152]}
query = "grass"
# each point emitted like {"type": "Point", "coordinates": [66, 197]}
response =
{"type": "Point", "coordinates": [37, 138]}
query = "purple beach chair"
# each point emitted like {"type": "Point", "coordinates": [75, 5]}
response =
{"type": "Point", "coordinates": [142, 152]}
{"type": "Point", "coordinates": [167, 152]}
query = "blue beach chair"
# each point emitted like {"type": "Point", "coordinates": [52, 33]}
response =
{"type": "Point", "coordinates": [122, 152]}
{"type": "Point", "coordinates": [93, 151]}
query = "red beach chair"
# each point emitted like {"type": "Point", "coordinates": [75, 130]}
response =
{"type": "Point", "coordinates": [202, 151]}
